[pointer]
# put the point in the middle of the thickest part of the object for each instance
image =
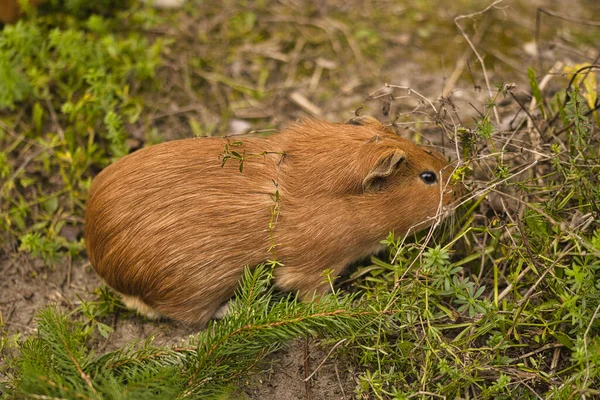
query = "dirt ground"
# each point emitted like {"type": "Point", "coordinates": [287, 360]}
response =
{"type": "Point", "coordinates": [27, 285]}
{"type": "Point", "coordinates": [283, 374]}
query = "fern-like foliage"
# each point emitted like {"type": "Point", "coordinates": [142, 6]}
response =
{"type": "Point", "coordinates": [58, 362]}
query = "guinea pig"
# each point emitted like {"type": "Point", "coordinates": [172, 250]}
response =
{"type": "Point", "coordinates": [171, 227]}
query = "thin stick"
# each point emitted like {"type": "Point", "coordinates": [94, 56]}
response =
{"type": "Point", "coordinates": [570, 19]}
{"type": "Point", "coordinates": [462, 62]}
{"type": "Point", "coordinates": [410, 91]}
{"type": "Point", "coordinates": [533, 124]}
{"type": "Point", "coordinates": [325, 359]}
{"type": "Point", "coordinates": [337, 374]}
{"type": "Point", "coordinates": [479, 58]}
{"type": "Point", "coordinates": [306, 366]}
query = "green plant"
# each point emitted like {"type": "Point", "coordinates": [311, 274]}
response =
{"type": "Point", "coordinates": [67, 94]}
{"type": "Point", "coordinates": [58, 362]}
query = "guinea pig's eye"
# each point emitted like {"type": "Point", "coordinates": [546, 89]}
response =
{"type": "Point", "coordinates": [429, 177]}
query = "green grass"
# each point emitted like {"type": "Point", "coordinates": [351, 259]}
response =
{"type": "Point", "coordinates": [67, 96]}
{"type": "Point", "coordinates": [502, 301]}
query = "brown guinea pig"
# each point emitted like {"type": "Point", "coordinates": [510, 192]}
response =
{"type": "Point", "coordinates": [171, 229]}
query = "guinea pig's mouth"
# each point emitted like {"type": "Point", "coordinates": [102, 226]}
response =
{"type": "Point", "coordinates": [448, 211]}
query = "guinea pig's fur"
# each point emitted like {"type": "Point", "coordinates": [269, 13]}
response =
{"type": "Point", "coordinates": [172, 230]}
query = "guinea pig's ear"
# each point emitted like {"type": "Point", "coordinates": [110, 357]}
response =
{"type": "Point", "coordinates": [384, 168]}
{"type": "Point", "coordinates": [362, 121]}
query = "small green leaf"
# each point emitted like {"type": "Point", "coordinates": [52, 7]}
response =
{"type": "Point", "coordinates": [104, 330]}
{"type": "Point", "coordinates": [26, 181]}
{"type": "Point", "coordinates": [225, 158]}
{"type": "Point", "coordinates": [485, 128]}
{"type": "Point", "coordinates": [563, 339]}
{"type": "Point", "coordinates": [535, 89]}
{"type": "Point", "coordinates": [38, 116]}
{"type": "Point", "coordinates": [51, 205]}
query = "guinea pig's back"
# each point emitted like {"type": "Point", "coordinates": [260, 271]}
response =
{"type": "Point", "coordinates": [156, 221]}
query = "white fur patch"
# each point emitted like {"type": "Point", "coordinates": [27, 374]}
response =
{"type": "Point", "coordinates": [222, 311]}
{"type": "Point", "coordinates": [135, 303]}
